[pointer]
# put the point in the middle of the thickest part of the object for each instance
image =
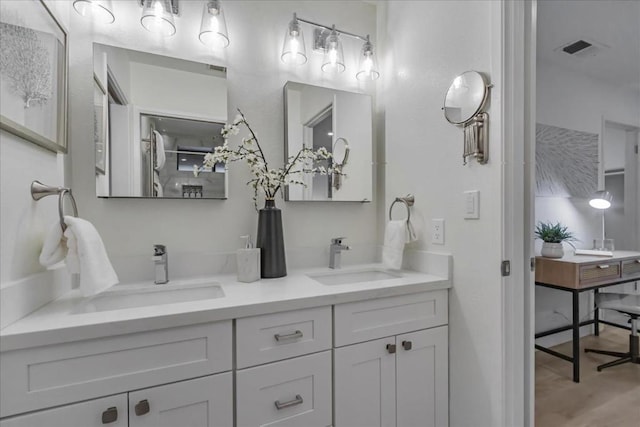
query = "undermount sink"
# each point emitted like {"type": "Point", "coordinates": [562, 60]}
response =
{"type": "Point", "coordinates": [348, 277]}
{"type": "Point", "coordinates": [148, 295]}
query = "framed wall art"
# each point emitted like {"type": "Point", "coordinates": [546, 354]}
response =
{"type": "Point", "coordinates": [33, 74]}
{"type": "Point", "coordinates": [566, 162]}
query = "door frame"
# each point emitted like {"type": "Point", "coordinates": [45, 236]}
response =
{"type": "Point", "coordinates": [518, 74]}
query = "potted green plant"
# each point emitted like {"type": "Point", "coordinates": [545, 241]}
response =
{"type": "Point", "coordinates": [552, 236]}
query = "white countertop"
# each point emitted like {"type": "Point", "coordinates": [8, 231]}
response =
{"type": "Point", "coordinates": [54, 323]}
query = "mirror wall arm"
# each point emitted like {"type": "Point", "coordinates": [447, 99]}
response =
{"type": "Point", "coordinates": [346, 33]}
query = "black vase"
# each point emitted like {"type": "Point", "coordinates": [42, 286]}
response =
{"type": "Point", "coordinates": [271, 241]}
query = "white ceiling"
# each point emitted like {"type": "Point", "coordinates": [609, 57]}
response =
{"type": "Point", "coordinates": [612, 23]}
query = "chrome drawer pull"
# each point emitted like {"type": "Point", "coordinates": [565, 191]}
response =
{"type": "Point", "coordinates": [603, 266]}
{"type": "Point", "coordinates": [110, 415]}
{"type": "Point", "coordinates": [293, 336]}
{"type": "Point", "coordinates": [297, 401]}
{"type": "Point", "coordinates": [142, 407]}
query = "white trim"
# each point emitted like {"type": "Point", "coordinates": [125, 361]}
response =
{"type": "Point", "coordinates": [517, 112]}
{"type": "Point", "coordinates": [529, 208]}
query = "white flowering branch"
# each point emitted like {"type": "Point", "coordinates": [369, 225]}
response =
{"type": "Point", "coordinates": [268, 181]}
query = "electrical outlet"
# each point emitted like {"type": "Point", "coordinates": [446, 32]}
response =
{"type": "Point", "coordinates": [437, 231]}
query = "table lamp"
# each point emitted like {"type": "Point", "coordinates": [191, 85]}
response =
{"type": "Point", "coordinates": [602, 200]}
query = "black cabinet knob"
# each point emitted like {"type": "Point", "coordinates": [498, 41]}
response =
{"type": "Point", "coordinates": [142, 407]}
{"type": "Point", "coordinates": [391, 348]}
{"type": "Point", "coordinates": [407, 345]}
{"type": "Point", "coordinates": [110, 415]}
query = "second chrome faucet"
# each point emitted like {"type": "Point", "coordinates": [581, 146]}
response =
{"type": "Point", "coordinates": [335, 251]}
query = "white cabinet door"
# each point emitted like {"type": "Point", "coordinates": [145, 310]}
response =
{"type": "Point", "coordinates": [106, 412]}
{"type": "Point", "coordinates": [422, 378]}
{"type": "Point", "coordinates": [203, 402]}
{"type": "Point", "coordinates": [365, 384]}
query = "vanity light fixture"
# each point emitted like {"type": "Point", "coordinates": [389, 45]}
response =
{"type": "Point", "coordinates": [157, 16]}
{"type": "Point", "coordinates": [327, 40]}
{"type": "Point", "coordinates": [368, 69]}
{"type": "Point", "coordinates": [99, 10]}
{"type": "Point", "coordinates": [294, 51]}
{"type": "Point", "coordinates": [213, 27]}
{"type": "Point", "coordinates": [333, 61]}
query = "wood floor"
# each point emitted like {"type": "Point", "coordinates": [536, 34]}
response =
{"type": "Point", "coordinates": [610, 398]}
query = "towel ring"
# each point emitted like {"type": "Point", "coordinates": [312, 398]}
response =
{"type": "Point", "coordinates": [40, 190]}
{"type": "Point", "coordinates": [408, 201]}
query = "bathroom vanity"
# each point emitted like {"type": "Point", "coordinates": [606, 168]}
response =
{"type": "Point", "coordinates": [318, 348]}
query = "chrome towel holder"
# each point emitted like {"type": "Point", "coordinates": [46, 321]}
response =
{"type": "Point", "coordinates": [40, 190]}
{"type": "Point", "coordinates": [408, 201]}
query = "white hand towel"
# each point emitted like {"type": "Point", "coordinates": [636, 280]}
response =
{"type": "Point", "coordinates": [88, 256]}
{"type": "Point", "coordinates": [157, 186]}
{"type": "Point", "coordinates": [161, 157]}
{"type": "Point", "coordinates": [395, 237]}
{"type": "Point", "coordinates": [55, 246]}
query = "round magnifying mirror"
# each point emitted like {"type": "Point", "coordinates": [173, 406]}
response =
{"type": "Point", "coordinates": [340, 152]}
{"type": "Point", "coordinates": [466, 97]}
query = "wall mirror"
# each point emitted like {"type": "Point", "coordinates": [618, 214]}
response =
{"type": "Point", "coordinates": [463, 105]}
{"type": "Point", "coordinates": [341, 122]}
{"type": "Point", "coordinates": [161, 116]}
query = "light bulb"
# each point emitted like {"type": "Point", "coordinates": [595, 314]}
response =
{"type": "Point", "coordinates": [214, 24]}
{"type": "Point", "coordinates": [293, 46]}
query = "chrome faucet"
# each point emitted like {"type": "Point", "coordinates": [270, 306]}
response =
{"type": "Point", "coordinates": [161, 264]}
{"type": "Point", "coordinates": [335, 249]}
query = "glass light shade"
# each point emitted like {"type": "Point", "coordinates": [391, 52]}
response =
{"type": "Point", "coordinates": [333, 56]}
{"type": "Point", "coordinates": [98, 10]}
{"type": "Point", "coordinates": [213, 27]}
{"type": "Point", "coordinates": [294, 51]}
{"type": "Point", "coordinates": [157, 17]}
{"type": "Point", "coordinates": [368, 69]}
{"type": "Point", "coordinates": [601, 200]}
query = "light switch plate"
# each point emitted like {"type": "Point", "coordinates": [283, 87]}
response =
{"type": "Point", "coordinates": [472, 204]}
{"type": "Point", "coordinates": [437, 231]}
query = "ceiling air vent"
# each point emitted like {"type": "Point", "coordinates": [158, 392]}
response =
{"type": "Point", "coordinates": [581, 48]}
{"type": "Point", "coordinates": [576, 47]}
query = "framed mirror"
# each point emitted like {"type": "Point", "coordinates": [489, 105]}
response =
{"type": "Point", "coordinates": [162, 116]}
{"type": "Point", "coordinates": [341, 122]}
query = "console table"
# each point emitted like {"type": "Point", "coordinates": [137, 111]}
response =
{"type": "Point", "coordinates": [577, 274]}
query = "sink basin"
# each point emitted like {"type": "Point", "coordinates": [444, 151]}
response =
{"type": "Point", "coordinates": [348, 277]}
{"type": "Point", "coordinates": [147, 295]}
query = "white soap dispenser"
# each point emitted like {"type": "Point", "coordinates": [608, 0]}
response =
{"type": "Point", "coordinates": [248, 260]}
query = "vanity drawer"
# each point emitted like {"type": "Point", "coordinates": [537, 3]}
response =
{"type": "Point", "coordinates": [368, 320]}
{"type": "Point", "coordinates": [631, 268]}
{"type": "Point", "coordinates": [271, 337]}
{"type": "Point", "coordinates": [42, 377]}
{"type": "Point", "coordinates": [293, 393]}
{"type": "Point", "coordinates": [599, 272]}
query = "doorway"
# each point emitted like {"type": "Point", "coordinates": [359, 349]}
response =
{"type": "Point", "coordinates": [593, 92]}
